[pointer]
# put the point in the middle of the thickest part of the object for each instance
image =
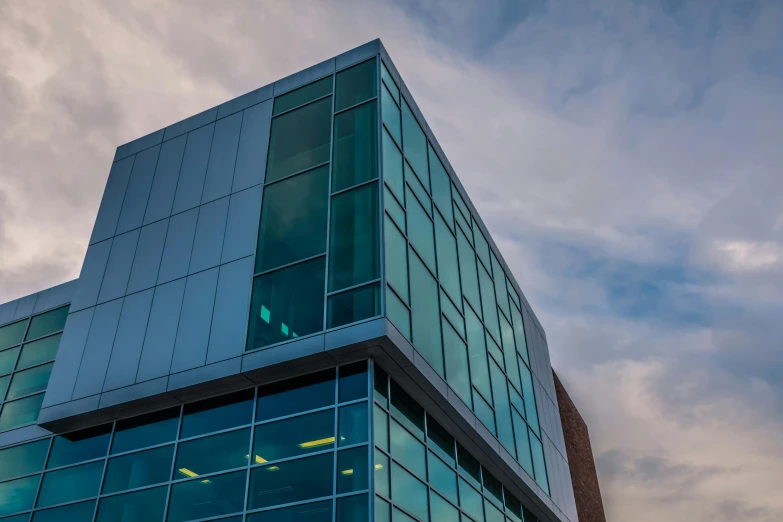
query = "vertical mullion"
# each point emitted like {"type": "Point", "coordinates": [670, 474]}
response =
{"type": "Point", "coordinates": [103, 474]}
{"type": "Point", "coordinates": [329, 205]}
{"type": "Point", "coordinates": [336, 440]}
{"type": "Point", "coordinates": [371, 430]}
{"type": "Point", "coordinates": [250, 455]}
{"type": "Point", "coordinates": [173, 462]}
{"type": "Point", "coordinates": [46, 461]}
{"type": "Point", "coordinates": [381, 190]}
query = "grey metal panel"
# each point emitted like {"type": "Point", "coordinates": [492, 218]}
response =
{"type": "Point", "coordinates": [179, 243]}
{"type": "Point", "coordinates": [91, 276]}
{"type": "Point", "coordinates": [194, 169]}
{"type": "Point", "coordinates": [161, 331]}
{"type": "Point", "coordinates": [7, 311]}
{"type": "Point", "coordinates": [54, 297]}
{"type": "Point", "coordinates": [139, 144]}
{"type": "Point", "coordinates": [149, 252]}
{"type": "Point", "coordinates": [97, 351]}
{"type": "Point", "coordinates": [244, 214]}
{"type": "Point", "coordinates": [24, 306]}
{"type": "Point", "coordinates": [206, 373]}
{"type": "Point", "coordinates": [229, 319]}
{"type": "Point", "coordinates": [136, 392]}
{"type": "Point", "coordinates": [111, 203]}
{"type": "Point", "coordinates": [357, 54]}
{"type": "Point", "coordinates": [118, 268]}
{"type": "Point", "coordinates": [189, 124]}
{"type": "Point", "coordinates": [69, 356]}
{"type": "Point", "coordinates": [135, 202]}
{"type": "Point", "coordinates": [253, 145]}
{"type": "Point", "coordinates": [303, 77]}
{"type": "Point", "coordinates": [128, 342]}
{"type": "Point", "coordinates": [222, 157]}
{"type": "Point", "coordinates": [245, 101]}
{"type": "Point", "coordinates": [283, 352]}
{"type": "Point", "coordinates": [164, 185]}
{"type": "Point", "coordinates": [190, 348]}
{"type": "Point", "coordinates": [208, 241]}
{"type": "Point", "coordinates": [22, 435]}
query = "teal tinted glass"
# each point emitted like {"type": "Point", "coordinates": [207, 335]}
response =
{"type": "Point", "coordinates": [441, 188]}
{"type": "Point", "coordinates": [299, 139]}
{"type": "Point", "coordinates": [414, 186]}
{"type": "Point", "coordinates": [500, 285]}
{"type": "Point", "coordinates": [441, 510]}
{"type": "Point", "coordinates": [30, 381]}
{"type": "Point", "coordinates": [18, 494]}
{"type": "Point", "coordinates": [39, 351]}
{"type": "Point", "coordinates": [440, 440]}
{"type": "Point", "coordinates": [293, 219]}
{"type": "Point", "coordinates": [353, 424]}
{"type": "Point", "coordinates": [448, 264]}
{"type": "Point", "coordinates": [219, 413]}
{"type": "Point", "coordinates": [494, 350]}
{"type": "Point", "coordinates": [4, 382]}
{"type": "Point", "coordinates": [20, 412]}
{"type": "Point", "coordinates": [352, 470]}
{"type": "Point", "coordinates": [420, 232]}
{"type": "Point", "coordinates": [81, 512]}
{"type": "Point", "coordinates": [354, 238]}
{"type": "Point", "coordinates": [484, 412]}
{"type": "Point", "coordinates": [381, 473]}
{"type": "Point", "coordinates": [196, 499]}
{"type": "Point", "coordinates": [482, 248]}
{"type": "Point", "coordinates": [399, 516]}
{"type": "Point", "coordinates": [47, 323]}
{"type": "Point", "coordinates": [79, 446]}
{"type": "Point", "coordinates": [356, 84]}
{"type": "Point", "coordinates": [145, 430]}
{"type": "Point", "coordinates": [138, 469]}
{"type": "Point", "coordinates": [398, 313]}
{"type": "Point", "coordinates": [409, 492]}
{"type": "Point", "coordinates": [408, 449]}
{"type": "Point", "coordinates": [390, 113]}
{"type": "Point", "coordinates": [529, 396]}
{"type": "Point", "coordinates": [442, 478]}
{"type": "Point", "coordinates": [393, 207]}
{"type": "Point", "coordinates": [312, 512]}
{"type": "Point", "coordinates": [513, 506]}
{"type": "Point", "coordinates": [510, 353]}
{"type": "Point", "coordinates": [355, 147]}
{"type": "Point", "coordinates": [302, 95]}
{"type": "Point", "coordinates": [461, 206]}
{"type": "Point", "coordinates": [287, 304]}
{"type": "Point", "coordinates": [211, 454]}
{"type": "Point", "coordinates": [468, 465]}
{"type": "Point", "coordinates": [414, 144]}
{"type": "Point", "coordinates": [23, 459]}
{"type": "Point", "coordinates": [140, 506]}
{"type": "Point", "coordinates": [426, 313]}
{"type": "Point", "coordinates": [477, 350]}
{"type": "Point", "coordinates": [12, 334]}
{"type": "Point", "coordinates": [8, 360]}
{"type": "Point", "coordinates": [502, 408]}
{"type": "Point", "coordinates": [70, 484]}
{"type": "Point", "coordinates": [24, 517]}
{"type": "Point", "coordinates": [517, 402]}
{"type": "Point", "coordinates": [381, 428]}
{"type": "Point", "coordinates": [406, 410]}
{"type": "Point", "coordinates": [492, 513]}
{"type": "Point", "coordinates": [380, 386]}
{"type": "Point", "coordinates": [389, 81]}
{"type": "Point", "coordinates": [539, 466]}
{"type": "Point", "coordinates": [352, 509]}
{"type": "Point", "coordinates": [295, 436]}
{"type": "Point", "coordinates": [471, 501]}
{"type": "Point", "coordinates": [353, 305]}
{"type": "Point", "coordinates": [353, 382]}
{"type": "Point", "coordinates": [457, 372]}
{"type": "Point", "coordinates": [453, 314]}
{"type": "Point", "coordinates": [488, 304]}
{"type": "Point", "coordinates": [292, 481]}
{"type": "Point", "coordinates": [396, 259]}
{"type": "Point", "coordinates": [308, 392]}
{"type": "Point", "coordinates": [467, 271]}
{"type": "Point", "coordinates": [459, 220]}
{"type": "Point", "coordinates": [519, 334]}
{"type": "Point", "coordinates": [524, 457]}
{"type": "Point", "coordinates": [392, 166]}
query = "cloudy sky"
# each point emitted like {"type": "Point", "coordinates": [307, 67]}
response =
{"type": "Point", "coordinates": [625, 154]}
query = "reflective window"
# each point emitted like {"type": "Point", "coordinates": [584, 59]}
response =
{"type": "Point", "coordinates": [138, 469]}
{"type": "Point", "coordinates": [219, 495]}
{"type": "Point", "coordinates": [399, 516]}
{"type": "Point", "coordinates": [140, 506]}
{"type": "Point", "coordinates": [500, 285]}
{"type": "Point", "coordinates": [426, 313]}
{"type": "Point", "coordinates": [355, 147]}
{"type": "Point", "coordinates": [302, 95]}
{"type": "Point", "coordinates": [292, 481]}
{"type": "Point", "coordinates": [519, 334]}
{"type": "Point", "coordinates": [312, 512]}
{"type": "Point", "coordinates": [79, 446]}
{"type": "Point", "coordinates": [406, 410]}
{"type": "Point", "coordinates": [468, 465]}
{"type": "Point", "coordinates": [477, 349]}
{"type": "Point", "coordinates": [352, 509]}
{"type": "Point", "coordinates": [381, 473]}
{"type": "Point", "coordinates": [353, 381]}
{"type": "Point", "coordinates": [502, 408]}
{"type": "Point", "coordinates": [393, 208]}
{"type": "Point", "coordinates": [380, 386]}
{"type": "Point", "coordinates": [457, 373]}
{"type": "Point", "coordinates": [529, 396]}
{"type": "Point", "coordinates": [524, 457]}
{"type": "Point", "coordinates": [12, 334]}
{"type": "Point", "coordinates": [482, 248]}
{"type": "Point", "coordinates": [414, 143]}
{"type": "Point", "coordinates": [39, 351]}
{"type": "Point", "coordinates": [81, 512]}
{"type": "Point", "coordinates": [299, 139]}
{"type": "Point", "coordinates": [492, 513]}
{"type": "Point", "coordinates": [353, 305]}
{"type": "Point", "coordinates": [145, 430]}
{"type": "Point", "coordinates": [392, 167]}
{"type": "Point", "coordinates": [484, 412]}
{"type": "Point", "coordinates": [353, 243]}
{"type": "Point", "coordinates": [211, 454]}
{"type": "Point", "coordinates": [308, 392]}
{"type": "Point", "coordinates": [492, 486]}
{"type": "Point", "coordinates": [382, 510]}
{"type": "Point", "coordinates": [440, 440]}
{"type": "Point", "coordinates": [398, 313]}
{"type": "Point", "coordinates": [538, 462]}
{"type": "Point", "coordinates": [295, 436]}
{"type": "Point", "coordinates": [352, 469]}
{"type": "Point", "coordinates": [30, 381]}
{"type": "Point", "coordinates": [219, 413]}
{"type": "Point", "coordinates": [471, 501]}
{"type": "Point", "coordinates": [409, 492]}
{"type": "Point", "coordinates": [70, 484]}
{"type": "Point", "coordinates": [441, 510]}
{"type": "Point", "coordinates": [442, 478]}
{"type": "Point", "coordinates": [47, 323]}
{"type": "Point", "coordinates": [448, 264]}
{"type": "Point", "coordinates": [8, 360]}
{"type": "Point", "coordinates": [20, 412]}
{"type": "Point", "coordinates": [353, 424]}
{"type": "Point", "coordinates": [18, 494]}
{"type": "Point", "coordinates": [389, 82]}
{"type": "Point", "coordinates": [407, 449]}
{"type": "Point", "coordinates": [414, 187]}
{"type": "Point", "coordinates": [355, 84]}
{"type": "Point", "coordinates": [23, 459]}
{"type": "Point", "coordinates": [467, 271]}
{"type": "Point", "coordinates": [391, 115]}
{"type": "Point", "coordinates": [396, 260]}
{"type": "Point", "coordinates": [381, 428]}
{"type": "Point", "coordinates": [488, 304]}
{"type": "Point", "coordinates": [441, 188]}
{"type": "Point", "coordinates": [4, 382]}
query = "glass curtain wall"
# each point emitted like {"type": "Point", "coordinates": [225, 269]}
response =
{"type": "Point", "coordinates": [295, 450]}
{"type": "Point", "coordinates": [446, 290]}
{"type": "Point", "coordinates": [317, 264]}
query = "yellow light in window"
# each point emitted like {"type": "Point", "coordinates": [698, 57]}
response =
{"type": "Point", "coordinates": [317, 443]}
{"type": "Point", "coordinates": [187, 472]}
{"type": "Point", "coordinates": [260, 460]}
{"type": "Point", "coordinates": [272, 468]}
{"type": "Point", "coordinates": [205, 481]}
{"type": "Point", "coordinates": [347, 472]}
{"type": "Point", "coordinates": [379, 466]}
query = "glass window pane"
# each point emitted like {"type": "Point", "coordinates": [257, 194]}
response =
{"type": "Point", "coordinates": [529, 396]}
{"type": "Point", "coordinates": [355, 147]}
{"type": "Point", "coordinates": [517, 402]}
{"type": "Point", "coordinates": [352, 470]}
{"type": "Point", "coordinates": [468, 465]}
{"type": "Point", "coordinates": [381, 428]}
{"type": "Point", "coordinates": [216, 414]}
{"type": "Point", "coordinates": [47, 323]}
{"type": "Point", "coordinates": [355, 84]}
{"type": "Point", "coordinates": [393, 208]}
{"type": "Point", "coordinates": [519, 334]}
{"type": "Point", "coordinates": [380, 386]}
{"type": "Point", "coordinates": [448, 264]}
{"type": "Point", "coordinates": [463, 226]}
{"type": "Point", "coordinates": [524, 457]}
{"type": "Point", "coordinates": [461, 206]}
{"type": "Point", "coordinates": [442, 511]}
{"type": "Point", "coordinates": [287, 304]}
{"type": "Point", "coordinates": [353, 424]}
{"type": "Point", "coordinates": [442, 478]}
{"type": "Point", "coordinates": [425, 314]}
{"type": "Point", "coordinates": [391, 115]}
{"type": "Point", "coordinates": [219, 495]}
{"type": "Point", "coordinates": [353, 305]}
{"type": "Point", "coordinates": [8, 360]}
{"type": "Point", "coordinates": [467, 271]}
{"type": "Point", "coordinates": [292, 481]}
{"type": "Point", "coordinates": [493, 514]}
{"type": "Point", "coordinates": [471, 501]}
{"type": "Point", "coordinates": [509, 353]}
{"type": "Point", "coordinates": [145, 430]}
{"type": "Point", "coordinates": [392, 167]}
{"type": "Point", "coordinates": [295, 436]}
{"type": "Point", "coordinates": [299, 139]}
{"type": "Point", "coordinates": [381, 473]}
{"type": "Point", "coordinates": [352, 509]}
{"type": "Point", "coordinates": [79, 446]}
{"type": "Point", "coordinates": [70, 484]}
{"type": "Point", "coordinates": [492, 486]}
{"type": "Point", "coordinates": [539, 466]}
{"type": "Point", "coordinates": [513, 506]}
{"type": "Point", "coordinates": [406, 410]}
{"type": "Point", "coordinates": [408, 450]}
{"type": "Point", "coordinates": [21, 412]}
{"type": "Point", "coordinates": [138, 469]}
{"type": "Point", "coordinates": [415, 187]}
{"type": "Point", "coordinates": [39, 351]}
{"type": "Point", "coordinates": [456, 355]}
{"type": "Point", "coordinates": [414, 144]}
{"type": "Point", "coordinates": [502, 408]}
{"type": "Point", "coordinates": [398, 313]}
{"type": "Point", "coordinates": [23, 459]}
{"type": "Point", "coordinates": [382, 509]}
{"type": "Point", "coordinates": [303, 95]}
{"type": "Point", "coordinates": [211, 454]}
{"type": "Point", "coordinates": [477, 349]}
{"type": "Point", "coordinates": [441, 188]}
{"type": "Point", "coordinates": [409, 492]}
{"type": "Point", "coordinates": [396, 260]}
{"type": "Point", "coordinates": [482, 248]}
{"type": "Point", "coordinates": [499, 278]}
{"type": "Point", "coordinates": [313, 512]}
{"type": "Point", "coordinates": [399, 516]}
{"type": "Point", "coordinates": [484, 412]}
{"type": "Point", "coordinates": [488, 304]}
{"type": "Point", "coordinates": [440, 440]}
{"type": "Point", "coordinates": [353, 382]}
{"type": "Point", "coordinates": [18, 495]}
{"type": "Point", "coordinates": [353, 239]}
{"type": "Point", "coordinates": [12, 334]}
{"type": "Point", "coordinates": [293, 219]}
{"type": "Point", "coordinates": [81, 512]}
{"type": "Point", "coordinates": [494, 350]}
{"type": "Point", "coordinates": [452, 313]}
{"type": "Point", "coordinates": [140, 506]}
{"type": "Point", "coordinates": [4, 381]}
{"type": "Point", "coordinates": [308, 392]}
{"type": "Point", "coordinates": [30, 381]}
{"type": "Point", "coordinates": [389, 81]}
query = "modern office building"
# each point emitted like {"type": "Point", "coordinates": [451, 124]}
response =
{"type": "Point", "coordinates": [289, 310]}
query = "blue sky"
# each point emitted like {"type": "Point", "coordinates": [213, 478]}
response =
{"type": "Point", "coordinates": [625, 156]}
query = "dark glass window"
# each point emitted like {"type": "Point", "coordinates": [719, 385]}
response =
{"type": "Point", "coordinates": [70, 484]}
{"type": "Point", "coordinates": [414, 143]}
{"type": "Point", "coordinates": [140, 506]}
{"type": "Point", "coordinates": [488, 303]}
{"type": "Point", "coordinates": [499, 278]}
{"type": "Point", "coordinates": [467, 271]}
{"type": "Point", "coordinates": [353, 244]}
{"type": "Point", "coordinates": [145, 430]}
{"type": "Point", "coordinates": [39, 351]}
{"type": "Point", "coordinates": [8, 360]}
{"type": "Point", "coordinates": [303, 95]}
{"type": "Point", "coordinates": [393, 207]}
{"type": "Point", "coordinates": [308, 392]}
{"type": "Point", "coordinates": [440, 439]}
{"type": "Point", "coordinates": [468, 464]}
{"type": "Point", "coordinates": [216, 414]}
{"type": "Point", "coordinates": [484, 412]}
{"type": "Point", "coordinates": [47, 323]}
{"type": "Point", "coordinates": [352, 470]}
{"type": "Point", "coordinates": [20, 412]}
{"type": "Point", "coordinates": [406, 410]}
{"type": "Point", "coordinates": [441, 188]}
{"type": "Point", "coordinates": [492, 513]}
{"type": "Point", "coordinates": [502, 407]}
{"type": "Point", "coordinates": [211, 454]}
{"type": "Point", "coordinates": [138, 469]}
{"type": "Point", "coordinates": [356, 84]}
{"type": "Point", "coordinates": [539, 466]}
{"type": "Point", "coordinates": [219, 495]}
{"type": "Point", "coordinates": [352, 427]}
{"type": "Point", "coordinates": [353, 305]}
{"type": "Point", "coordinates": [79, 446]}
{"type": "Point", "coordinates": [287, 304]}
{"type": "Point", "coordinates": [12, 334]}
{"type": "Point", "coordinates": [294, 436]}
{"type": "Point", "coordinates": [513, 506]}
{"type": "Point", "coordinates": [381, 392]}
{"type": "Point", "coordinates": [398, 313]}
{"type": "Point", "coordinates": [353, 381]}
{"type": "Point", "coordinates": [299, 139]}
{"type": "Point", "coordinates": [4, 381]}
{"type": "Point", "coordinates": [524, 457]}
{"type": "Point", "coordinates": [381, 473]}
{"type": "Point", "coordinates": [482, 248]}
{"type": "Point", "coordinates": [477, 349]}
{"type": "Point", "coordinates": [389, 81]}
{"type": "Point", "coordinates": [381, 428]}
{"type": "Point", "coordinates": [81, 512]}
{"type": "Point", "coordinates": [457, 374]}
{"type": "Point", "coordinates": [492, 486]}
{"type": "Point", "coordinates": [292, 481]}
{"type": "Point", "coordinates": [355, 146]}
{"type": "Point", "coordinates": [313, 512]}
{"type": "Point", "coordinates": [425, 318]}
{"type": "Point", "coordinates": [293, 219]}
{"type": "Point", "coordinates": [30, 381]}
{"type": "Point", "coordinates": [23, 459]}
{"type": "Point", "coordinates": [18, 494]}
{"type": "Point", "coordinates": [529, 396]}
{"type": "Point", "coordinates": [352, 509]}
{"type": "Point", "coordinates": [408, 449]}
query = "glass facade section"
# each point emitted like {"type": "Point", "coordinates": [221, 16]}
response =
{"type": "Point", "coordinates": [356, 84]}
{"type": "Point", "coordinates": [353, 239]}
{"type": "Point", "coordinates": [302, 95]}
{"type": "Point", "coordinates": [355, 146]}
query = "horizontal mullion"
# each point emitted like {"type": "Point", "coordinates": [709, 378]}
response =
{"type": "Point", "coordinates": [305, 104]}
{"type": "Point", "coordinates": [290, 504]}
{"type": "Point", "coordinates": [211, 433]}
{"type": "Point", "coordinates": [289, 176]}
{"type": "Point", "coordinates": [353, 287]}
{"type": "Point", "coordinates": [28, 341]}
{"type": "Point", "coordinates": [288, 265]}
{"type": "Point", "coordinates": [398, 296]}
{"type": "Point", "coordinates": [352, 187]}
{"type": "Point", "coordinates": [346, 109]}
{"type": "Point", "coordinates": [206, 476]}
